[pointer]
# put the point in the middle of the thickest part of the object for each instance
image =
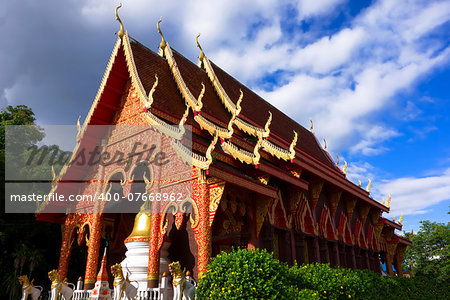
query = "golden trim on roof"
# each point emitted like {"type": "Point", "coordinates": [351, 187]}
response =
{"type": "Point", "coordinates": [198, 161]}
{"type": "Point", "coordinates": [280, 152]}
{"type": "Point", "coordinates": [213, 129]}
{"type": "Point", "coordinates": [344, 169]}
{"type": "Point", "coordinates": [195, 104]}
{"type": "Point", "coordinates": [244, 155]}
{"type": "Point", "coordinates": [121, 31]}
{"type": "Point", "coordinates": [253, 130]}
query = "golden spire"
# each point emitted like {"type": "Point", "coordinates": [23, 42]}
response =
{"type": "Point", "coordinates": [121, 32]}
{"type": "Point", "coordinates": [162, 45]}
{"type": "Point", "coordinates": [368, 185]}
{"type": "Point", "coordinates": [400, 221]}
{"type": "Point", "coordinates": [359, 183]}
{"type": "Point", "coordinates": [312, 125]}
{"type": "Point", "coordinates": [393, 220]}
{"type": "Point", "coordinates": [382, 202]}
{"type": "Point", "coordinates": [388, 203]}
{"type": "Point", "coordinates": [325, 145]}
{"type": "Point", "coordinates": [344, 170]}
{"type": "Point", "coordinates": [337, 160]}
{"type": "Point", "coordinates": [202, 55]}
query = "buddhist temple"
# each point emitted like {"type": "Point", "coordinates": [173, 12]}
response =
{"type": "Point", "coordinates": [258, 179]}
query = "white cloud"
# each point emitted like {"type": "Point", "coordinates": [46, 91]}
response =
{"type": "Point", "coordinates": [308, 8]}
{"type": "Point", "coordinates": [414, 195]}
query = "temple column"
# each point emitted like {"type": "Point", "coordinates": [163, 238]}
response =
{"type": "Point", "coordinates": [66, 245]}
{"type": "Point", "coordinates": [366, 259]}
{"type": "Point", "coordinates": [95, 234]}
{"type": "Point", "coordinates": [300, 248]}
{"type": "Point", "coordinates": [336, 254]}
{"type": "Point", "coordinates": [352, 257]}
{"type": "Point", "coordinates": [293, 246]}
{"type": "Point", "coordinates": [156, 238]}
{"type": "Point", "coordinates": [323, 251]}
{"type": "Point", "coordinates": [398, 265]}
{"type": "Point", "coordinates": [315, 250]}
{"type": "Point", "coordinates": [389, 269]}
{"type": "Point", "coordinates": [202, 232]}
{"type": "Point", "coordinates": [343, 258]}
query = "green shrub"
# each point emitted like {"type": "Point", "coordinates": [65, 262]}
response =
{"type": "Point", "coordinates": [246, 274]}
{"type": "Point", "coordinates": [255, 274]}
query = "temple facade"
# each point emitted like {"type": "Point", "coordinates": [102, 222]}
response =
{"type": "Point", "coordinates": [258, 179]}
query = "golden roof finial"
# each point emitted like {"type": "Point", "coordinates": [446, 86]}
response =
{"type": "Point", "coordinates": [268, 122]}
{"type": "Point", "coordinates": [344, 170]}
{"type": "Point", "coordinates": [325, 145]}
{"type": "Point", "coordinates": [388, 203]}
{"type": "Point", "coordinates": [359, 183]}
{"type": "Point", "coordinates": [121, 32]}
{"type": "Point", "coordinates": [337, 160]}
{"type": "Point", "coordinates": [368, 185]}
{"type": "Point", "coordinates": [393, 220]}
{"type": "Point", "coordinates": [312, 125]}
{"type": "Point", "coordinates": [149, 102]}
{"type": "Point", "coordinates": [210, 149]}
{"type": "Point", "coordinates": [202, 55]}
{"type": "Point", "coordinates": [292, 146]}
{"type": "Point", "coordinates": [238, 104]}
{"type": "Point", "coordinates": [400, 221]}
{"type": "Point", "coordinates": [162, 45]}
{"type": "Point", "coordinates": [382, 202]}
{"type": "Point", "coordinates": [79, 128]}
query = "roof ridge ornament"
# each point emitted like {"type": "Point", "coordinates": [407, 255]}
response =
{"type": "Point", "coordinates": [312, 125]}
{"type": "Point", "coordinates": [149, 102]}
{"type": "Point", "coordinates": [344, 169]}
{"type": "Point", "coordinates": [337, 160]}
{"type": "Point", "coordinates": [238, 104]}
{"type": "Point", "coordinates": [325, 145]}
{"type": "Point", "coordinates": [121, 31]}
{"type": "Point", "coordinates": [163, 43]}
{"type": "Point", "coordinates": [400, 221]}
{"type": "Point", "coordinates": [79, 129]}
{"type": "Point", "coordinates": [368, 185]}
{"type": "Point", "coordinates": [202, 55]}
{"type": "Point", "coordinates": [268, 122]}
{"type": "Point", "coordinates": [388, 203]}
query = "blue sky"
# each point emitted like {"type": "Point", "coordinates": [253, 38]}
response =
{"type": "Point", "coordinates": [373, 75]}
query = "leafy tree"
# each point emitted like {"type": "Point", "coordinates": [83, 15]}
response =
{"type": "Point", "coordinates": [24, 242]}
{"type": "Point", "coordinates": [429, 254]}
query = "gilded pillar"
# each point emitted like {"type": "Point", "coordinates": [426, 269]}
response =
{"type": "Point", "coordinates": [95, 234]}
{"type": "Point", "coordinates": [156, 239]}
{"type": "Point", "coordinates": [202, 230]}
{"type": "Point", "coordinates": [66, 245]}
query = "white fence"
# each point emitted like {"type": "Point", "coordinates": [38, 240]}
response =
{"type": "Point", "coordinates": [160, 293]}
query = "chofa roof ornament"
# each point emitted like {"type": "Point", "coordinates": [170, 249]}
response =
{"type": "Point", "coordinates": [202, 55]}
{"type": "Point", "coordinates": [163, 44]}
{"type": "Point", "coordinates": [121, 31]}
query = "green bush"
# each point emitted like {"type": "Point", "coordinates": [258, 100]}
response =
{"type": "Point", "coordinates": [255, 274]}
{"type": "Point", "coordinates": [246, 274]}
